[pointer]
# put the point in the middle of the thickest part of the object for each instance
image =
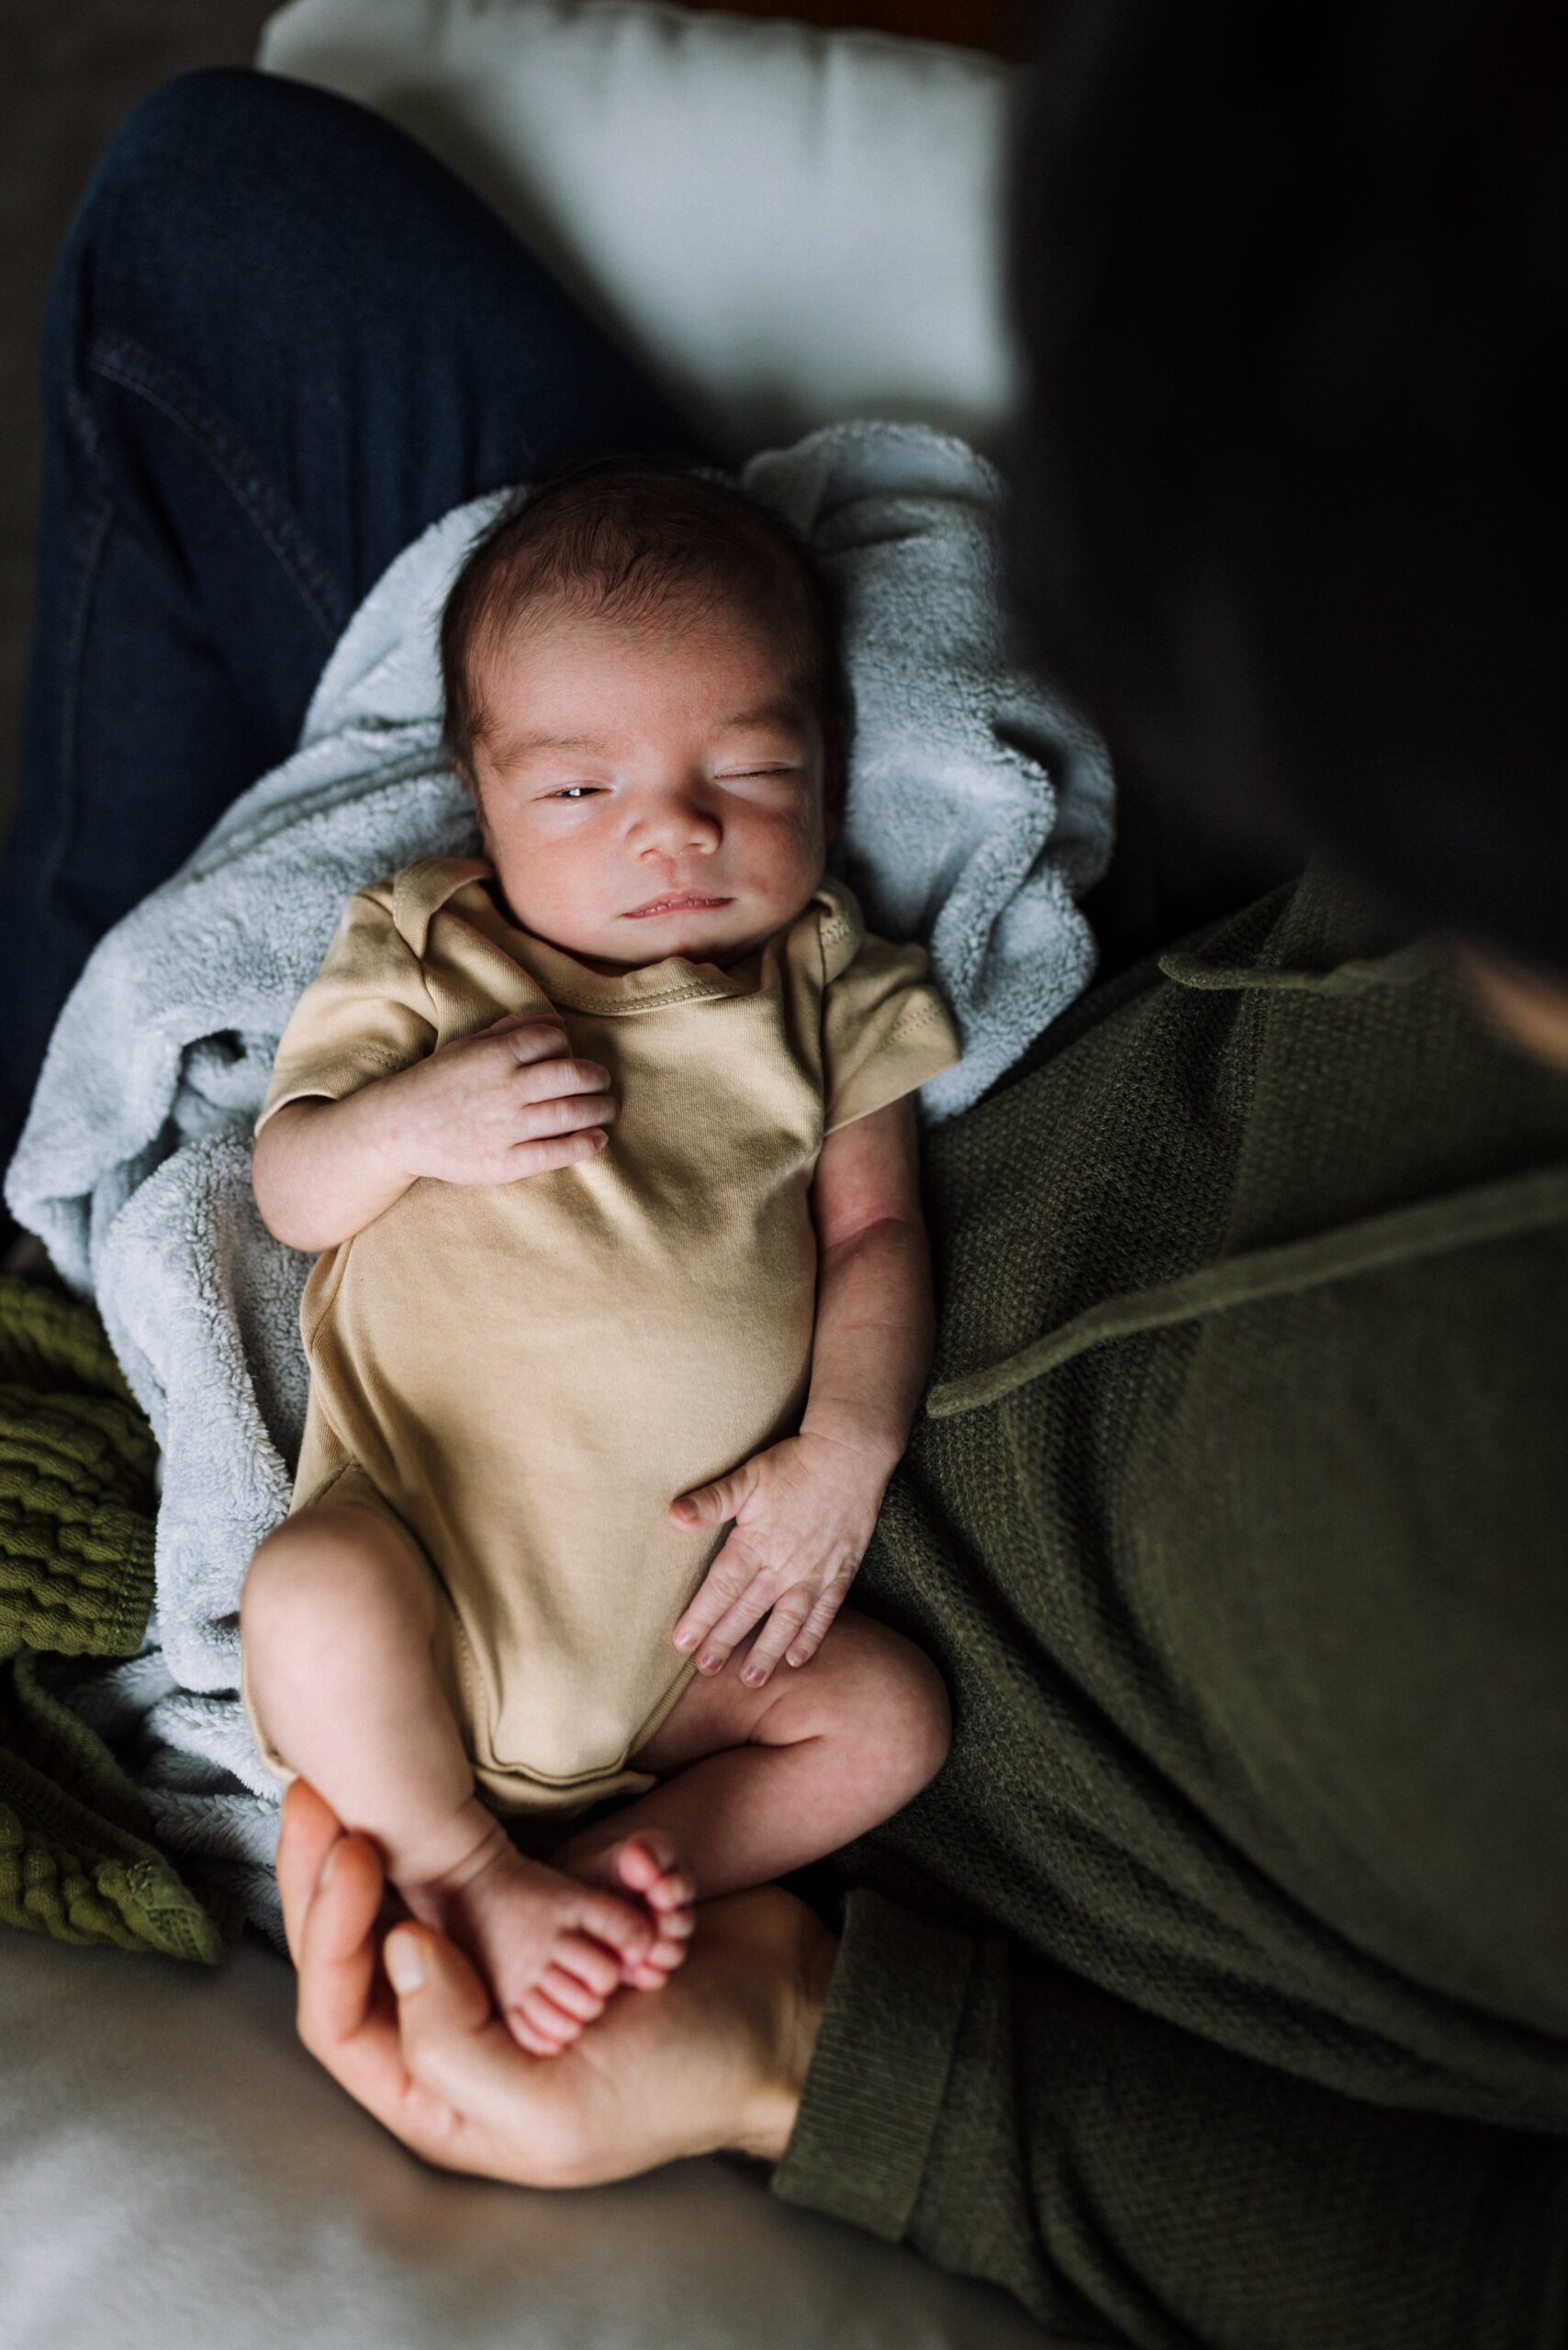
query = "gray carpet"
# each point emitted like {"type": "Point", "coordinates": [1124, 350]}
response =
{"type": "Point", "coordinates": [68, 71]}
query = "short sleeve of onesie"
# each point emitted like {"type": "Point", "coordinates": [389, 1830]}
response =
{"type": "Point", "coordinates": [885, 1031]}
{"type": "Point", "coordinates": [366, 1013]}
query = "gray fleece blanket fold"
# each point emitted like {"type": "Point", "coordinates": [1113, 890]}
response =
{"type": "Point", "coordinates": [977, 813]}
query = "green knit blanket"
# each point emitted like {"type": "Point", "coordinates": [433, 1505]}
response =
{"type": "Point", "coordinates": [77, 1502]}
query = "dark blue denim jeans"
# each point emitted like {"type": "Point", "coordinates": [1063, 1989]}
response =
{"type": "Point", "coordinates": [282, 339]}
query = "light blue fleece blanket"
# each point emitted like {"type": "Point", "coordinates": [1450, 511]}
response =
{"type": "Point", "coordinates": [977, 813]}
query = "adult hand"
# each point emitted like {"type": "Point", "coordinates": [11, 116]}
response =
{"type": "Point", "coordinates": [715, 2060]}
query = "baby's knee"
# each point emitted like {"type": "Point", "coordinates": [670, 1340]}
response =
{"type": "Point", "coordinates": [321, 1578]}
{"type": "Point", "coordinates": [900, 1709]}
{"type": "Point", "coordinates": [926, 1712]}
{"type": "Point", "coordinates": [198, 134]}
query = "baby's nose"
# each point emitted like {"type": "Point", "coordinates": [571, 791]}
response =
{"type": "Point", "coordinates": [678, 824]}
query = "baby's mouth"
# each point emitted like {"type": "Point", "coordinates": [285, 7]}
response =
{"type": "Point", "coordinates": [680, 901]}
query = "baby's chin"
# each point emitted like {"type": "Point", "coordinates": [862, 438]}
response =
{"type": "Point", "coordinates": [641, 943]}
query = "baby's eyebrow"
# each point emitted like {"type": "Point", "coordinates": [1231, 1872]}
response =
{"type": "Point", "coordinates": [781, 712]}
{"type": "Point", "coordinates": [516, 746]}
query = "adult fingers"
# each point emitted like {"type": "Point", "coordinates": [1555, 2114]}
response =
{"type": "Point", "coordinates": [349, 2020]}
{"type": "Point", "coordinates": [309, 1832]}
{"type": "Point", "coordinates": [506, 2115]}
{"type": "Point", "coordinates": [344, 2023]}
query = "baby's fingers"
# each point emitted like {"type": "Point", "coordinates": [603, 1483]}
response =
{"type": "Point", "coordinates": [725, 1586]}
{"type": "Point", "coordinates": [782, 1631]}
{"type": "Point", "coordinates": [531, 1035]}
{"type": "Point", "coordinates": [559, 1150]}
{"type": "Point", "coordinates": [735, 1623]}
{"type": "Point", "coordinates": [725, 1497]}
{"type": "Point", "coordinates": [817, 1624]}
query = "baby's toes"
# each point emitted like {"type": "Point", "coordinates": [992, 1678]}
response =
{"type": "Point", "coordinates": [537, 2024]}
{"type": "Point", "coordinates": [672, 1904]}
{"type": "Point", "coordinates": [598, 1969]}
{"type": "Point", "coordinates": [572, 1994]}
{"type": "Point", "coordinates": [672, 1898]}
{"type": "Point", "coordinates": [624, 1930]}
{"type": "Point", "coordinates": [643, 1861]}
{"type": "Point", "coordinates": [654, 1972]}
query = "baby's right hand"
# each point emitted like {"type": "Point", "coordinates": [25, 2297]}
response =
{"type": "Point", "coordinates": [493, 1107]}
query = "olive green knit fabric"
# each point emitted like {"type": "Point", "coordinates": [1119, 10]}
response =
{"type": "Point", "coordinates": [1216, 1993]}
{"type": "Point", "coordinates": [77, 1859]}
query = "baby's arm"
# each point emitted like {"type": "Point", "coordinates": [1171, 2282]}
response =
{"type": "Point", "coordinates": [876, 1320]}
{"type": "Point", "coordinates": [805, 1510]}
{"type": "Point", "coordinates": [489, 1108]}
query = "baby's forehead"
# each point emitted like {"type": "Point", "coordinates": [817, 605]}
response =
{"type": "Point", "coordinates": [550, 648]}
{"type": "Point", "coordinates": [682, 620]}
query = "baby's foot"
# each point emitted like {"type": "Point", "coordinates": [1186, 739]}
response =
{"type": "Point", "coordinates": [644, 1867]}
{"type": "Point", "coordinates": [553, 1948]}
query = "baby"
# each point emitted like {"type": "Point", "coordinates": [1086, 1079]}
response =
{"type": "Point", "coordinates": [624, 1307]}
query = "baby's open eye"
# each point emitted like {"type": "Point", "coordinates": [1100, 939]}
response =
{"type": "Point", "coordinates": [572, 791]}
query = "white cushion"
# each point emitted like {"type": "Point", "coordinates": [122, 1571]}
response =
{"type": "Point", "coordinates": [177, 2174]}
{"type": "Point", "coordinates": [788, 227]}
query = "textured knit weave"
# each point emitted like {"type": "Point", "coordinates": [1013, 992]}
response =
{"type": "Point", "coordinates": [76, 1508]}
{"type": "Point", "coordinates": [1216, 1993]}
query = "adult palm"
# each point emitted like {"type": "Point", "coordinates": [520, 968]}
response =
{"type": "Point", "coordinates": [401, 2020]}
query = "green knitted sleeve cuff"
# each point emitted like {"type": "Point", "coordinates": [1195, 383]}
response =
{"type": "Point", "coordinates": [880, 2073]}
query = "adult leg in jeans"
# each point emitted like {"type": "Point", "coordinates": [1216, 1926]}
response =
{"type": "Point", "coordinates": [282, 340]}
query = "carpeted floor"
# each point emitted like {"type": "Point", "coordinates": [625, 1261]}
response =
{"type": "Point", "coordinates": [68, 71]}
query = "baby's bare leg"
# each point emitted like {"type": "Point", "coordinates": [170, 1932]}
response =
{"type": "Point", "coordinates": [764, 1779]}
{"type": "Point", "coordinates": [336, 1621]}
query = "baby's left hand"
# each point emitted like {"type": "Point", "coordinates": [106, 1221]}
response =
{"type": "Point", "coordinates": [804, 1511]}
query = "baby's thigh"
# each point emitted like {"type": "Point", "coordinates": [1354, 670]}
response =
{"type": "Point", "coordinates": [865, 1684]}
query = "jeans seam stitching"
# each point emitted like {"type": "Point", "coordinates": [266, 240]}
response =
{"type": "Point", "coordinates": [95, 540]}
{"type": "Point", "coordinates": [136, 371]}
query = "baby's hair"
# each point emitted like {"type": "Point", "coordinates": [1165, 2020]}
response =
{"type": "Point", "coordinates": [630, 538]}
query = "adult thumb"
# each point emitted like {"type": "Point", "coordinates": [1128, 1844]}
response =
{"type": "Point", "coordinates": [456, 2050]}
{"type": "Point", "coordinates": [439, 1994]}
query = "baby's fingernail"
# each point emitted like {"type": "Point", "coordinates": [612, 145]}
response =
{"type": "Point", "coordinates": [404, 1967]}
{"type": "Point", "coordinates": [708, 1662]}
{"type": "Point", "coordinates": [685, 1640]}
{"type": "Point", "coordinates": [754, 1674]}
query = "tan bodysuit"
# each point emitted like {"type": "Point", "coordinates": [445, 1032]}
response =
{"type": "Point", "coordinates": [525, 1375]}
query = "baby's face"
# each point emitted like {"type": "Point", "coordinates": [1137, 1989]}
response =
{"type": "Point", "coordinates": [653, 792]}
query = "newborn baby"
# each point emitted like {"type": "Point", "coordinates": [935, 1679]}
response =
{"type": "Point", "coordinates": [622, 1308]}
